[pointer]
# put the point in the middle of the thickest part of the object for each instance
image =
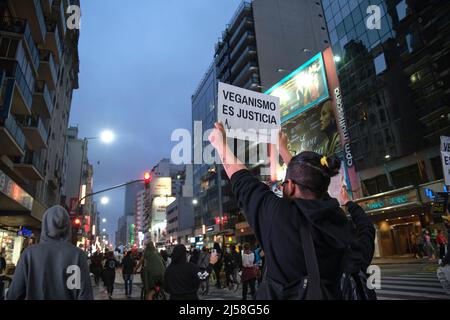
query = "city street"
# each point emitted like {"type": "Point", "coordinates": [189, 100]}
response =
{"type": "Point", "coordinates": [405, 281]}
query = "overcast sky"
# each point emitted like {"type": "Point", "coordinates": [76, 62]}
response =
{"type": "Point", "coordinates": [140, 62]}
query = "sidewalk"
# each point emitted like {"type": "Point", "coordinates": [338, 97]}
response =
{"type": "Point", "coordinates": [406, 259]}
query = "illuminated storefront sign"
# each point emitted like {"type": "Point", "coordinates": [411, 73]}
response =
{"type": "Point", "coordinates": [389, 201]}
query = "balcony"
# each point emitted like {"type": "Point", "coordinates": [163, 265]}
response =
{"type": "Point", "coordinates": [42, 100]}
{"type": "Point", "coordinates": [35, 133]}
{"type": "Point", "coordinates": [12, 139]}
{"type": "Point", "coordinates": [250, 69]}
{"type": "Point", "coordinates": [20, 28]}
{"type": "Point", "coordinates": [31, 10]}
{"type": "Point", "coordinates": [59, 6]}
{"type": "Point", "coordinates": [53, 41]}
{"type": "Point", "coordinates": [30, 166]}
{"type": "Point", "coordinates": [47, 6]}
{"type": "Point", "coordinates": [249, 53]}
{"type": "Point", "coordinates": [22, 97]}
{"type": "Point", "coordinates": [47, 69]}
{"type": "Point", "coordinates": [246, 24]}
{"type": "Point", "coordinates": [247, 38]}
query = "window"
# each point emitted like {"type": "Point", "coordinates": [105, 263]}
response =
{"type": "Point", "coordinates": [380, 64]}
{"type": "Point", "coordinates": [407, 176]}
{"type": "Point", "coordinates": [402, 10]}
{"type": "Point", "coordinates": [436, 164]}
{"type": "Point", "coordinates": [376, 185]}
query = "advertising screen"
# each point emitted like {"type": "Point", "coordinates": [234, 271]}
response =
{"type": "Point", "coordinates": [302, 89]}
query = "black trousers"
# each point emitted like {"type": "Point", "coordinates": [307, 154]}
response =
{"type": "Point", "coordinates": [249, 283]}
{"type": "Point", "coordinates": [110, 277]}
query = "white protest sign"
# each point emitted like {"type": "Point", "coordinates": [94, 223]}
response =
{"type": "Point", "coordinates": [445, 152]}
{"type": "Point", "coordinates": [248, 115]}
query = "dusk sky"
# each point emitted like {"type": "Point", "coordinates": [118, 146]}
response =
{"type": "Point", "coordinates": [140, 62]}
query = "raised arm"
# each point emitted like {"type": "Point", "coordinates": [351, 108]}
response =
{"type": "Point", "coordinates": [218, 140]}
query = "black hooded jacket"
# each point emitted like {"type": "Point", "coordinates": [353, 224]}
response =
{"type": "Point", "coordinates": [182, 278]}
{"type": "Point", "coordinates": [276, 225]}
{"type": "Point", "coordinates": [54, 269]}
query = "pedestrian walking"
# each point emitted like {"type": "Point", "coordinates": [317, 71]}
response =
{"type": "Point", "coordinates": [442, 242]}
{"type": "Point", "coordinates": [203, 263]}
{"type": "Point", "coordinates": [429, 249]}
{"type": "Point", "coordinates": [128, 266]}
{"type": "Point", "coordinates": [303, 233]}
{"type": "Point", "coordinates": [182, 279]}
{"type": "Point", "coordinates": [194, 256]}
{"type": "Point", "coordinates": [249, 272]}
{"type": "Point", "coordinates": [46, 271]}
{"type": "Point", "coordinates": [420, 246]}
{"type": "Point", "coordinates": [109, 273]}
{"type": "Point", "coordinates": [218, 266]}
{"type": "Point", "coordinates": [229, 266]}
{"type": "Point", "coordinates": [96, 267]}
{"type": "Point", "coordinates": [153, 270]}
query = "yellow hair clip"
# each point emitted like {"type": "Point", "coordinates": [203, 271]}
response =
{"type": "Point", "coordinates": [324, 161]}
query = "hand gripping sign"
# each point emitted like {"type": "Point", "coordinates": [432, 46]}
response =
{"type": "Point", "coordinates": [248, 115]}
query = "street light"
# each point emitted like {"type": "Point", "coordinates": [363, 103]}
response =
{"type": "Point", "coordinates": [107, 136]}
{"type": "Point", "coordinates": [195, 202]}
{"type": "Point", "coordinates": [104, 200]}
{"type": "Point", "coordinates": [104, 220]}
{"type": "Point", "coordinates": [104, 230]}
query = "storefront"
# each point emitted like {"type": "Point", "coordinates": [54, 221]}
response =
{"type": "Point", "coordinates": [20, 219]}
{"type": "Point", "coordinates": [400, 216]}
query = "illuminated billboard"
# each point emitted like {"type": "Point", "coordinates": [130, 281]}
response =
{"type": "Point", "coordinates": [161, 187]}
{"type": "Point", "coordinates": [302, 89]}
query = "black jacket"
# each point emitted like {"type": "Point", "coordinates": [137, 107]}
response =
{"type": "Point", "coordinates": [363, 240]}
{"type": "Point", "coordinates": [128, 264]}
{"type": "Point", "coordinates": [275, 223]}
{"type": "Point", "coordinates": [182, 279]}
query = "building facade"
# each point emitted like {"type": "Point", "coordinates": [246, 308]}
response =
{"type": "Point", "coordinates": [39, 68]}
{"type": "Point", "coordinates": [394, 76]}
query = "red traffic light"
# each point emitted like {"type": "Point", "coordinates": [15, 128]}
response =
{"type": "Point", "coordinates": [147, 179]}
{"type": "Point", "coordinates": [77, 222]}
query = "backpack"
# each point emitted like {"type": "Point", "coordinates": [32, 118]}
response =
{"type": "Point", "coordinates": [309, 287]}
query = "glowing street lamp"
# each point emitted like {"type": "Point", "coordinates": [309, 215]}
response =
{"type": "Point", "coordinates": [107, 136]}
{"type": "Point", "coordinates": [104, 200]}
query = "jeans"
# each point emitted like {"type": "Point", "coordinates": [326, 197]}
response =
{"type": "Point", "coordinates": [245, 286]}
{"type": "Point", "coordinates": [128, 280]}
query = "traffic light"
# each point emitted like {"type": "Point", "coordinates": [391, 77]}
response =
{"type": "Point", "coordinates": [77, 223]}
{"type": "Point", "coordinates": [147, 179]}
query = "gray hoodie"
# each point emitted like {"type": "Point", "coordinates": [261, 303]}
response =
{"type": "Point", "coordinates": [54, 269]}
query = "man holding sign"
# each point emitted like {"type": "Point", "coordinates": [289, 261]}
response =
{"type": "Point", "coordinates": [279, 224]}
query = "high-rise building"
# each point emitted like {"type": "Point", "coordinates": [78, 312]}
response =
{"type": "Point", "coordinates": [131, 191]}
{"type": "Point", "coordinates": [392, 63]}
{"type": "Point", "coordinates": [79, 182]}
{"type": "Point", "coordinates": [264, 40]}
{"type": "Point", "coordinates": [166, 184]}
{"type": "Point", "coordinates": [39, 68]}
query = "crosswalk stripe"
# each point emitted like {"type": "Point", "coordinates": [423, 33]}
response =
{"type": "Point", "coordinates": [421, 289]}
{"type": "Point", "coordinates": [400, 282]}
{"type": "Point", "coordinates": [381, 292]}
{"type": "Point", "coordinates": [410, 279]}
{"type": "Point", "coordinates": [388, 298]}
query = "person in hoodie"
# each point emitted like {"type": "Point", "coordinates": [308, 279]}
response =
{"type": "Point", "coordinates": [182, 279]}
{"type": "Point", "coordinates": [275, 220]}
{"type": "Point", "coordinates": [54, 269]}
